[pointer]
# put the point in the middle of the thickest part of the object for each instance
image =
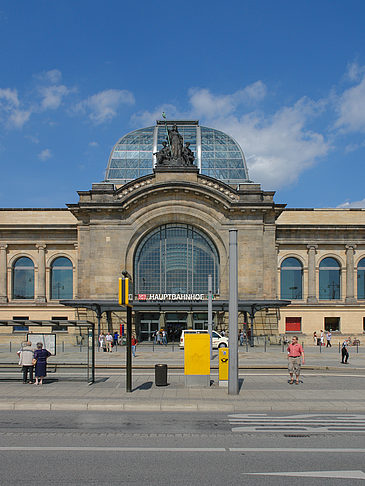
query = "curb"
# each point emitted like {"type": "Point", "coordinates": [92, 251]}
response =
{"type": "Point", "coordinates": [234, 405]}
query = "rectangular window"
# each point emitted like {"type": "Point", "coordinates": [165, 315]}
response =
{"type": "Point", "coordinates": [293, 324]}
{"type": "Point", "coordinates": [59, 327]}
{"type": "Point", "coordinates": [332, 324]}
{"type": "Point", "coordinates": [21, 327]}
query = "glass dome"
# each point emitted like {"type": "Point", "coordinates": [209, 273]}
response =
{"type": "Point", "coordinates": [216, 154]}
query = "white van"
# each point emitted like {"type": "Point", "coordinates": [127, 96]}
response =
{"type": "Point", "coordinates": [218, 340]}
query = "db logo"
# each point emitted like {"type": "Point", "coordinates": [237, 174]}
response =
{"type": "Point", "coordinates": [142, 296]}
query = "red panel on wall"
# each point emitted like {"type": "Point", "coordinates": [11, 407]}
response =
{"type": "Point", "coordinates": [293, 324]}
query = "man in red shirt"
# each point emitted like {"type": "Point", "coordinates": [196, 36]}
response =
{"type": "Point", "coordinates": [295, 359]}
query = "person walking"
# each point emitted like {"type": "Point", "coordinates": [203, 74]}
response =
{"type": "Point", "coordinates": [116, 338]}
{"type": "Point", "coordinates": [329, 337]}
{"type": "Point", "coordinates": [345, 351]}
{"type": "Point", "coordinates": [295, 360]}
{"type": "Point", "coordinates": [134, 344]}
{"type": "Point", "coordinates": [241, 337]}
{"type": "Point", "coordinates": [164, 337]}
{"type": "Point", "coordinates": [109, 342]}
{"type": "Point", "coordinates": [315, 338]}
{"type": "Point", "coordinates": [159, 340]}
{"type": "Point", "coordinates": [26, 355]}
{"type": "Point", "coordinates": [40, 360]}
{"type": "Point", "coordinates": [322, 337]}
{"type": "Point", "coordinates": [101, 341]}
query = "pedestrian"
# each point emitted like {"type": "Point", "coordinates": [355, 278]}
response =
{"type": "Point", "coordinates": [223, 333]}
{"type": "Point", "coordinates": [40, 361]}
{"type": "Point", "coordinates": [242, 337]}
{"type": "Point", "coordinates": [26, 355]}
{"type": "Point", "coordinates": [315, 338]}
{"type": "Point", "coordinates": [116, 338]}
{"type": "Point", "coordinates": [101, 341]}
{"type": "Point", "coordinates": [109, 342]}
{"type": "Point", "coordinates": [164, 337]}
{"type": "Point", "coordinates": [322, 337]}
{"type": "Point", "coordinates": [159, 339]}
{"type": "Point", "coordinates": [295, 360]}
{"type": "Point", "coordinates": [134, 344]}
{"type": "Point", "coordinates": [329, 337]}
{"type": "Point", "coordinates": [345, 351]}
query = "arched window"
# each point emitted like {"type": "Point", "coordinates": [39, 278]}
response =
{"type": "Point", "coordinates": [361, 279]}
{"type": "Point", "coordinates": [329, 279]}
{"type": "Point", "coordinates": [176, 259]}
{"type": "Point", "coordinates": [291, 279]}
{"type": "Point", "coordinates": [61, 279]}
{"type": "Point", "coordinates": [23, 279]}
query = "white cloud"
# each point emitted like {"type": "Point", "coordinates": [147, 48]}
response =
{"type": "Point", "coordinates": [104, 106]}
{"type": "Point", "coordinates": [52, 76]}
{"type": "Point", "coordinates": [52, 96]}
{"type": "Point", "coordinates": [45, 154]}
{"type": "Point", "coordinates": [10, 112]}
{"type": "Point", "coordinates": [9, 97]}
{"type": "Point", "coordinates": [278, 147]}
{"type": "Point", "coordinates": [350, 107]}
{"type": "Point", "coordinates": [93, 144]}
{"type": "Point", "coordinates": [209, 105]}
{"type": "Point", "coordinates": [354, 204]}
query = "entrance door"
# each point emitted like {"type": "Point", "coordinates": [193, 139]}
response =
{"type": "Point", "coordinates": [149, 323]}
{"type": "Point", "coordinates": [175, 323]}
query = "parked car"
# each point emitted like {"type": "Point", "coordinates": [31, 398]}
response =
{"type": "Point", "coordinates": [218, 340]}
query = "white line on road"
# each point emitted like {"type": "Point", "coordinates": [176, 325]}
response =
{"type": "Point", "coordinates": [115, 449]}
{"type": "Point", "coordinates": [182, 449]}
{"type": "Point", "coordinates": [297, 450]}
{"type": "Point", "coordinates": [316, 474]}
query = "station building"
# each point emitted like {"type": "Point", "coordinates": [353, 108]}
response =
{"type": "Point", "coordinates": [168, 227]}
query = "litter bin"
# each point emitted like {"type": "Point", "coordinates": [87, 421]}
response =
{"type": "Point", "coordinates": [161, 375]}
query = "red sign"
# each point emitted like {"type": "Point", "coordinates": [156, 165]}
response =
{"type": "Point", "coordinates": [142, 296]}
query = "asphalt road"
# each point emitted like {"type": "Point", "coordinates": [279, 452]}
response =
{"type": "Point", "coordinates": [73, 448]}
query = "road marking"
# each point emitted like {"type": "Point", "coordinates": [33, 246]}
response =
{"type": "Point", "coordinates": [115, 449]}
{"type": "Point", "coordinates": [312, 423]}
{"type": "Point", "coordinates": [317, 474]}
{"type": "Point", "coordinates": [297, 450]}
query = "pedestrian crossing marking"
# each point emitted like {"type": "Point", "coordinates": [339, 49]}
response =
{"type": "Point", "coordinates": [298, 423]}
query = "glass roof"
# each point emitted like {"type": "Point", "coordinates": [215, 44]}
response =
{"type": "Point", "coordinates": [216, 154]}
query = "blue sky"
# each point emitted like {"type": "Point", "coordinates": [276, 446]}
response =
{"type": "Point", "coordinates": [285, 78]}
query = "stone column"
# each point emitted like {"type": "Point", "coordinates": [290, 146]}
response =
{"type": "Point", "coordinates": [350, 296]}
{"type": "Point", "coordinates": [312, 299]}
{"type": "Point", "coordinates": [41, 293]}
{"type": "Point", "coordinates": [3, 273]}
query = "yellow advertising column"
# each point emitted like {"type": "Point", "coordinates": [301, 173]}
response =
{"type": "Point", "coordinates": [223, 366]}
{"type": "Point", "coordinates": [197, 359]}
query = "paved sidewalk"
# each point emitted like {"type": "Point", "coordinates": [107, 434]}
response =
{"type": "Point", "coordinates": [326, 385]}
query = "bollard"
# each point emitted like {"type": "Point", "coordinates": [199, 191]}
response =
{"type": "Point", "coordinates": [173, 347]}
{"type": "Point", "coordinates": [282, 347]}
{"type": "Point", "coordinates": [265, 345]}
{"type": "Point", "coordinates": [320, 348]}
{"type": "Point", "coordinates": [80, 348]}
{"type": "Point", "coordinates": [10, 347]}
{"type": "Point", "coordinates": [339, 347]}
{"type": "Point", "coordinates": [246, 346]}
{"type": "Point", "coordinates": [357, 347]}
{"type": "Point", "coordinates": [63, 346]}
{"type": "Point", "coordinates": [153, 346]}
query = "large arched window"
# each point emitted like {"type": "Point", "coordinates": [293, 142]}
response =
{"type": "Point", "coordinates": [291, 279]}
{"type": "Point", "coordinates": [176, 258]}
{"type": "Point", "coordinates": [329, 279]}
{"type": "Point", "coordinates": [361, 279]}
{"type": "Point", "coordinates": [23, 279]}
{"type": "Point", "coordinates": [61, 279]}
